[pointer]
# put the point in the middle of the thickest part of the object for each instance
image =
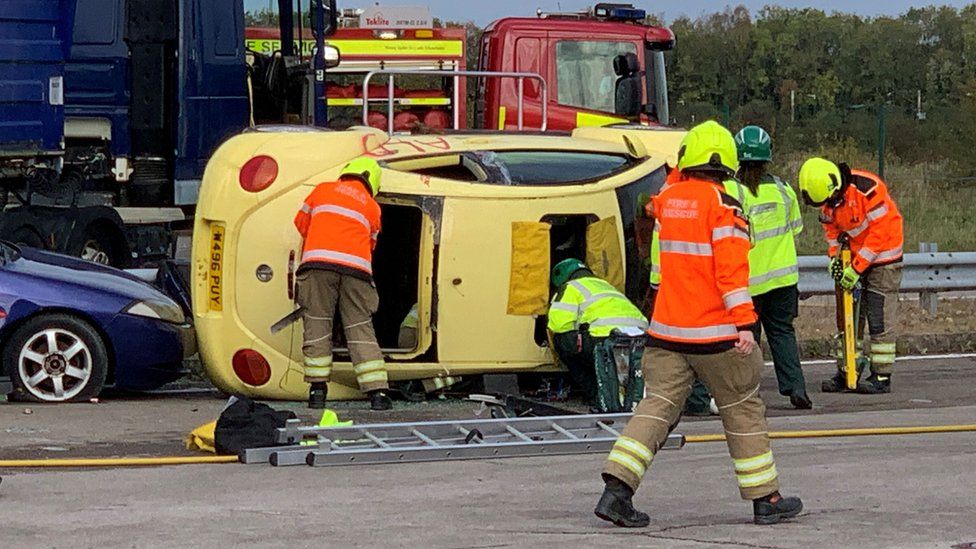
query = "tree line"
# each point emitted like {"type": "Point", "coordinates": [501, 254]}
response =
{"type": "Point", "coordinates": [821, 81]}
{"type": "Point", "coordinates": [816, 79]}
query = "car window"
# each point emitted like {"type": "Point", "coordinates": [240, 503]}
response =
{"type": "Point", "coordinates": [584, 72]}
{"type": "Point", "coordinates": [524, 168]}
{"type": "Point", "coordinates": [556, 167]}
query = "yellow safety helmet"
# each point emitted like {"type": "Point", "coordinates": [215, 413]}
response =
{"type": "Point", "coordinates": [708, 146]}
{"type": "Point", "coordinates": [365, 169]}
{"type": "Point", "coordinates": [819, 180]}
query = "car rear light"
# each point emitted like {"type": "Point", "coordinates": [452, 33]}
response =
{"type": "Point", "coordinates": [251, 367]}
{"type": "Point", "coordinates": [258, 173]}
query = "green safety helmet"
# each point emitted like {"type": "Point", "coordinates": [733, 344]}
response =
{"type": "Point", "coordinates": [708, 147]}
{"type": "Point", "coordinates": [754, 145]}
{"type": "Point", "coordinates": [563, 270]}
{"type": "Point", "coordinates": [819, 180]}
{"type": "Point", "coordinates": [366, 170]}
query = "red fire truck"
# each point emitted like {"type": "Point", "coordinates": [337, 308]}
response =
{"type": "Point", "coordinates": [600, 66]}
{"type": "Point", "coordinates": [425, 100]}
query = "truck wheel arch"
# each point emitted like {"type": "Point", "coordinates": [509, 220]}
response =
{"type": "Point", "coordinates": [102, 235]}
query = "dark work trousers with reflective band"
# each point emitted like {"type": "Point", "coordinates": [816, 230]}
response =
{"type": "Point", "coordinates": [321, 293]}
{"type": "Point", "coordinates": [699, 398]}
{"type": "Point", "coordinates": [734, 381]}
{"type": "Point", "coordinates": [879, 310]}
{"type": "Point", "coordinates": [777, 309]}
{"type": "Point", "coordinates": [575, 350]}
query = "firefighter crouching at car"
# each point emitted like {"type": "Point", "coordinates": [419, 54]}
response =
{"type": "Point", "coordinates": [702, 325]}
{"type": "Point", "coordinates": [855, 205]}
{"type": "Point", "coordinates": [340, 222]}
{"type": "Point", "coordinates": [585, 312]}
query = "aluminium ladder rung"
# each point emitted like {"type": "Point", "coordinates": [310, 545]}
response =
{"type": "Point", "coordinates": [294, 432]}
{"type": "Point", "coordinates": [445, 440]}
{"type": "Point", "coordinates": [322, 458]}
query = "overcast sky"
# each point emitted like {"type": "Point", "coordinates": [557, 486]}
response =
{"type": "Point", "coordinates": [484, 12]}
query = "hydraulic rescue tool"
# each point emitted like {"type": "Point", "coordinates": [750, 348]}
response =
{"type": "Point", "coordinates": [848, 321]}
{"type": "Point", "coordinates": [287, 320]}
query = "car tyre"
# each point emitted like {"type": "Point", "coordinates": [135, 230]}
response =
{"type": "Point", "coordinates": [97, 245]}
{"type": "Point", "coordinates": [25, 236]}
{"type": "Point", "coordinates": [56, 358]}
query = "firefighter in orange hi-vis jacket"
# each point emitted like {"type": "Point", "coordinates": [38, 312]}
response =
{"type": "Point", "coordinates": [340, 222]}
{"type": "Point", "coordinates": [701, 326]}
{"type": "Point", "coordinates": [856, 208]}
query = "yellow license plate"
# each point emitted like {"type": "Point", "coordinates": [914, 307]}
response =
{"type": "Point", "coordinates": [215, 277]}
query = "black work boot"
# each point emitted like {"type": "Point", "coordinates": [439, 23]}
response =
{"type": "Point", "coordinates": [615, 505]}
{"type": "Point", "coordinates": [875, 384]}
{"type": "Point", "coordinates": [801, 401]}
{"type": "Point", "coordinates": [316, 395]}
{"type": "Point", "coordinates": [774, 508]}
{"type": "Point", "coordinates": [836, 384]}
{"type": "Point", "coordinates": [378, 401]}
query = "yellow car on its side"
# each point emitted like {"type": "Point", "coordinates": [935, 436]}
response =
{"type": "Point", "coordinates": [471, 224]}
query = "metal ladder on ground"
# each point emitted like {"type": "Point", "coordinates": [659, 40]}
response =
{"type": "Point", "coordinates": [445, 440]}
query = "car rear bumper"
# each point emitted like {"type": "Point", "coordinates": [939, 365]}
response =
{"type": "Point", "coordinates": [5, 386]}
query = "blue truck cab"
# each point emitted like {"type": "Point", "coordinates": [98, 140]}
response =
{"type": "Point", "coordinates": [115, 106]}
{"type": "Point", "coordinates": [35, 39]}
{"type": "Point", "coordinates": [156, 85]}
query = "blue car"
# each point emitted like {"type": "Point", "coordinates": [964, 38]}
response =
{"type": "Point", "coordinates": [69, 328]}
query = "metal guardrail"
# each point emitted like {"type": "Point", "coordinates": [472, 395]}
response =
{"type": "Point", "coordinates": [922, 272]}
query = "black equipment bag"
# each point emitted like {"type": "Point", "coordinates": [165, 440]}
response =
{"type": "Point", "coordinates": [247, 424]}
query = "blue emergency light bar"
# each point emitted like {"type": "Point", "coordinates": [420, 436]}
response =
{"type": "Point", "coordinates": [619, 12]}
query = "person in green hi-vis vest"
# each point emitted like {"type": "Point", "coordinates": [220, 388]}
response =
{"type": "Point", "coordinates": [774, 218]}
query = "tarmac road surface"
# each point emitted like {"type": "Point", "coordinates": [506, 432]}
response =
{"type": "Point", "coordinates": [894, 491]}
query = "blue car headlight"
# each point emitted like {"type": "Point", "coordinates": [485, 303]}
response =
{"type": "Point", "coordinates": [160, 310]}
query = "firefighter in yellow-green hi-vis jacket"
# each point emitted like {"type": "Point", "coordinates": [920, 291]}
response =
{"type": "Point", "coordinates": [589, 320]}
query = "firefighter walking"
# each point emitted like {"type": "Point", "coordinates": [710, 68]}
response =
{"type": "Point", "coordinates": [701, 326]}
{"type": "Point", "coordinates": [773, 212]}
{"type": "Point", "coordinates": [855, 207]}
{"type": "Point", "coordinates": [340, 222]}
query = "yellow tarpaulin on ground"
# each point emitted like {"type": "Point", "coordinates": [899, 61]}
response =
{"type": "Point", "coordinates": [603, 252]}
{"type": "Point", "coordinates": [202, 438]}
{"type": "Point", "coordinates": [528, 291]}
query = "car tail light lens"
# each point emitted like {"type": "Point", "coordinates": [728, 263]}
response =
{"type": "Point", "coordinates": [258, 173]}
{"type": "Point", "coordinates": [251, 367]}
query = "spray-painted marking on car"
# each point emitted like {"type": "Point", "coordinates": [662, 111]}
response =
{"type": "Point", "coordinates": [214, 281]}
{"type": "Point", "coordinates": [392, 147]}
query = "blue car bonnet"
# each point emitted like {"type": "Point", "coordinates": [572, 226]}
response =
{"type": "Point", "coordinates": [70, 271]}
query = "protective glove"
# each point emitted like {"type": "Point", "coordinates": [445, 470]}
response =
{"type": "Point", "coordinates": [835, 268]}
{"type": "Point", "coordinates": [849, 279]}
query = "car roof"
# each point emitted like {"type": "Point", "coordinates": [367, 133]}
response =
{"type": "Point", "coordinates": [405, 146]}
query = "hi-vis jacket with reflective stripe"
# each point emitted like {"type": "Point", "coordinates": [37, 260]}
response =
{"type": "Point", "coordinates": [340, 222]}
{"type": "Point", "coordinates": [593, 301]}
{"type": "Point", "coordinates": [774, 219]}
{"type": "Point", "coordinates": [869, 216]}
{"type": "Point", "coordinates": [703, 241]}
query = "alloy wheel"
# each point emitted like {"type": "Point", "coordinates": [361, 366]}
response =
{"type": "Point", "coordinates": [55, 365]}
